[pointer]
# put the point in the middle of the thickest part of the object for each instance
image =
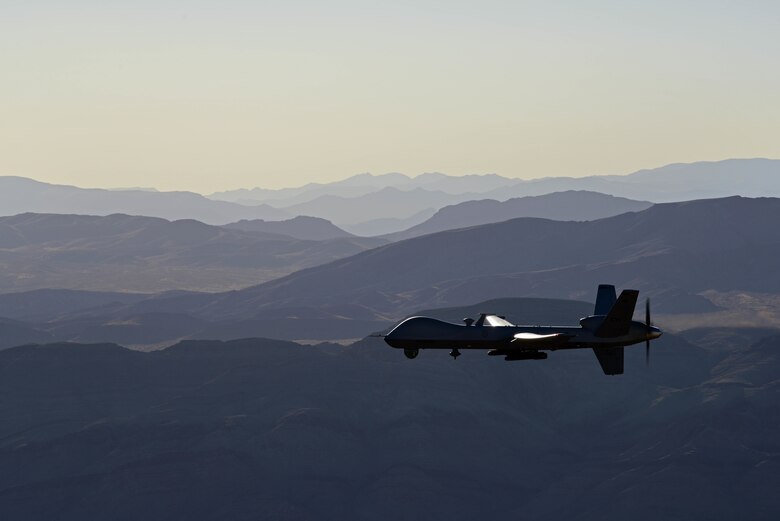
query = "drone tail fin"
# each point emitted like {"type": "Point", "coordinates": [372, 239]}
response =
{"type": "Point", "coordinates": [618, 320]}
{"type": "Point", "coordinates": [605, 299]}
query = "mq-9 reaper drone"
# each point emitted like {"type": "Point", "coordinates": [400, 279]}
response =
{"type": "Point", "coordinates": [607, 332]}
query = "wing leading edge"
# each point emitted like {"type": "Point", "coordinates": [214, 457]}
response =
{"type": "Point", "coordinates": [532, 340]}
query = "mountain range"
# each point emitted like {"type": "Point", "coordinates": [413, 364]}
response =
{"type": "Point", "coordinates": [354, 201]}
{"type": "Point", "coordinates": [378, 205]}
{"type": "Point", "coordinates": [673, 252]}
{"type": "Point", "coordinates": [22, 195]}
{"type": "Point", "coordinates": [147, 254]}
{"type": "Point", "coordinates": [142, 254]}
{"type": "Point", "coordinates": [675, 182]}
{"type": "Point", "coordinates": [559, 206]}
{"type": "Point", "coordinates": [362, 184]}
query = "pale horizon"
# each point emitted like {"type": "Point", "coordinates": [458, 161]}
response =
{"type": "Point", "coordinates": [411, 176]}
{"type": "Point", "coordinates": [211, 97]}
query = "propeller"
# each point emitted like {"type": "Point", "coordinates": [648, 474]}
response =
{"type": "Point", "coordinates": [649, 325]}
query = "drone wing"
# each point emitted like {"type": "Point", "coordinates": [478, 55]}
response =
{"type": "Point", "coordinates": [531, 340]}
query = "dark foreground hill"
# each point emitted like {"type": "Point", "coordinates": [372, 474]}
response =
{"type": "Point", "coordinates": [260, 429]}
{"type": "Point", "coordinates": [147, 254]}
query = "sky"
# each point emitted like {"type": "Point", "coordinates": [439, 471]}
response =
{"type": "Point", "coordinates": [206, 96]}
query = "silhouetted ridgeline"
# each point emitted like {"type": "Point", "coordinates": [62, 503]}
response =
{"type": "Point", "coordinates": [558, 206]}
{"type": "Point", "coordinates": [20, 195]}
{"type": "Point", "coordinates": [353, 203]}
{"type": "Point", "coordinates": [363, 184]}
{"type": "Point", "coordinates": [261, 429]}
{"type": "Point", "coordinates": [374, 205]}
{"type": "Point", "coordinates": [675, 182]}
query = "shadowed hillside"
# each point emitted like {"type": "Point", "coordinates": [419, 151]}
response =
{"type": "Point", "coordinates": [260, 429]}
{"type": "Point", "coordinates": [146, 254]}
{"type": "Point", "coordinates": [50, 304]}
{"type": "Point", "coordinates": [108, 318]}
{"type": "Point", "coordinates": [14, 333]}
{"type": "Point", "coordinates": [672, 250]}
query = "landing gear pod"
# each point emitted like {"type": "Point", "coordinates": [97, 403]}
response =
{"type": "Point", "coordinates": [411, 352]}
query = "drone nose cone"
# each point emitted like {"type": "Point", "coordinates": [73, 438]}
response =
{"type": "Point", "coordinates": [654, 333]}
{"type": "Point", "coordinates": [392, 338]}
{"type": "Point", "coordinates": [401, 334]}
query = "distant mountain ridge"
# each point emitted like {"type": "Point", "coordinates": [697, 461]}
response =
{"type": "Point", "coordinates": [378, 205]}
{"type": "Point", "coordinates": [559, 206]}
{"type": "Point", "coordinates": [389, 202]}
{"type": "Point", "coordinates": [22, 195]}
{"type": "Point", "coordinates": [384, 226]}
{"type": "Point", "coordinates": [363, 184]}
{"type": "Point", "coordinates": [301, 227]}
{"type": "Point", "coordinates": [755, 177]}
{"type": "Point", "coordinates": [353, 186]}
{"type": "Point", "coordinates": [367, 197]}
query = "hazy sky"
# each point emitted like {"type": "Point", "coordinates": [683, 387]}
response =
{"type": "Point", "coordinates": [207, 95]}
